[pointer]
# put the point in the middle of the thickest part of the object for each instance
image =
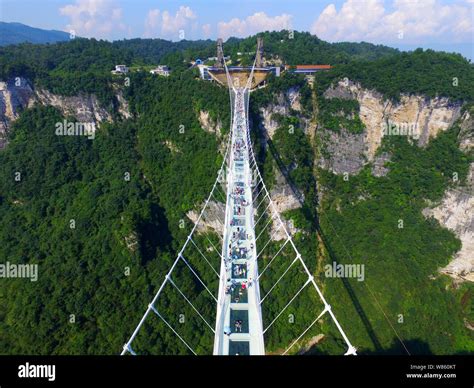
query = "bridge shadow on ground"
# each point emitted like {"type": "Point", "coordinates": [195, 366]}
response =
{"type": "Point", "coordinates": [153, 234]}
{"type": "Point", "coordinates": [415, 346]}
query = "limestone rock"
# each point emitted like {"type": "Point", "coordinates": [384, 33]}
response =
{"type": "Point", "coordinates": [379, 169]}
{"type": "Point", "coordinates": [342, 152]}
{"type": "Point", "coordinates": [123, 108]}
{"type": "Point", "coordinates": [212, 218]}
{"type": "Point", "coordinates": [85, 108]}
{"type": "Point", "coordinates": [15, 95]}
{"type": "Point", "coordinates": [18, 94]}
{"type": "Point", "coordinates": [456, 212]}
{"type": "Point", "coordinates": [284, 200]}
{"type": "Point", "coordinates": [208, 124]}
{"type": "Point", "coordinates": [288, 103]}
{"type": "Point", "coordinates": [421, 117]}
{"type": "Point", "coordinates": [466, 135]}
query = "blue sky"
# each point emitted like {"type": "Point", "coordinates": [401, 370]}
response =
{"type": "Point", "coordinates": [440, 24]}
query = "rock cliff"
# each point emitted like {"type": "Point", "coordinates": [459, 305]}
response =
{"type": "Point", "coordinates": [416, 116]}
{"type": "Point", "coordinates": [18, 94]}
{"type": "Point", "coordinates": [456, 212]}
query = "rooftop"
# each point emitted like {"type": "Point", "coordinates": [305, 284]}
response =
{"type": "Point", "coordinates": [309, 67]}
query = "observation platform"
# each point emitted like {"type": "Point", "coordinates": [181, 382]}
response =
{"type": "Point", "coordinates": [239, 75]}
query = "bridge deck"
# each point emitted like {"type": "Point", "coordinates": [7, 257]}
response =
{"type": "Point", "coordinates": [239, 319]}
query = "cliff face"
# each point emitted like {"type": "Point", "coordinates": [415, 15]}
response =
{"type": "Point", "coordinates": [208, 124]}
{"type": "Point", "coordinates": [466, 135]}
{"type": "Point", "coordinates": [123, 107]}
{"type": "Point", "coordinates": [284, 200]}
{"type": "Point", "coordinates": [456, 212]}
{"type": "Point", "coordinates": [16, 95]}
{"type": "Point", "coordinates": [418, 117]}
{"type": "Point", "coordinates": [341, 152]}
{"type": "Point", "coordinates": [85, 108]}
{"type": "Point", "coordinates": [286, 104]}
{"type": "Point", "coordinates": [422, 119]}
{"type": "Point", "coordinates": [212, 218]}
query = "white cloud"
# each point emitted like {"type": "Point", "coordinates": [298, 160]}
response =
{"type": "Point", "coordinates": [165, 25]}
{"type": "Point", "coordinates": [411, 20]}
{"type": "Point", "coordinates": [257, 22]}
{"type": "Point", "coordinates": [93, 18]}
{"type": "Point", "coordinates": [206, 31]}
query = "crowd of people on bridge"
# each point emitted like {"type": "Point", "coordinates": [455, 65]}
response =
{"type": "Point", "coordinates": [240, 244]}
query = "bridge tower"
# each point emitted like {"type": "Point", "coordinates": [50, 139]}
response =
{"type": "Point", "coordinates": [259, 54]}
{"type": "Point", "coordinates": [220, 54]}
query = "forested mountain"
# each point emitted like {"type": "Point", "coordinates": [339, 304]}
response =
{"type": "Point", "coordinates": [130, 189]}
{"type": "Point", "coordinates": [15, 33]}
{"type": "Point", "coordinates": [303, 48]}
{"type": "Point", "coordinates": [84, 64]}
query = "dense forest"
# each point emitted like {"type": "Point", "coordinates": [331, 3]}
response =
{"type": "Point", "coordinates": [104, 218]}
{"type": "Point", "coordinates": [402, 259]}
{"type": "Point", "coordinates": [424, 72]}
{"type": "Point", "coordinates": [358, 222]}
{"type": "Point", "coordinates": [84, 65]}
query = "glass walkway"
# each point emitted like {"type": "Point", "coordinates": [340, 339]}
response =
{"type": "Point", "coordinates": [239, 319]}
